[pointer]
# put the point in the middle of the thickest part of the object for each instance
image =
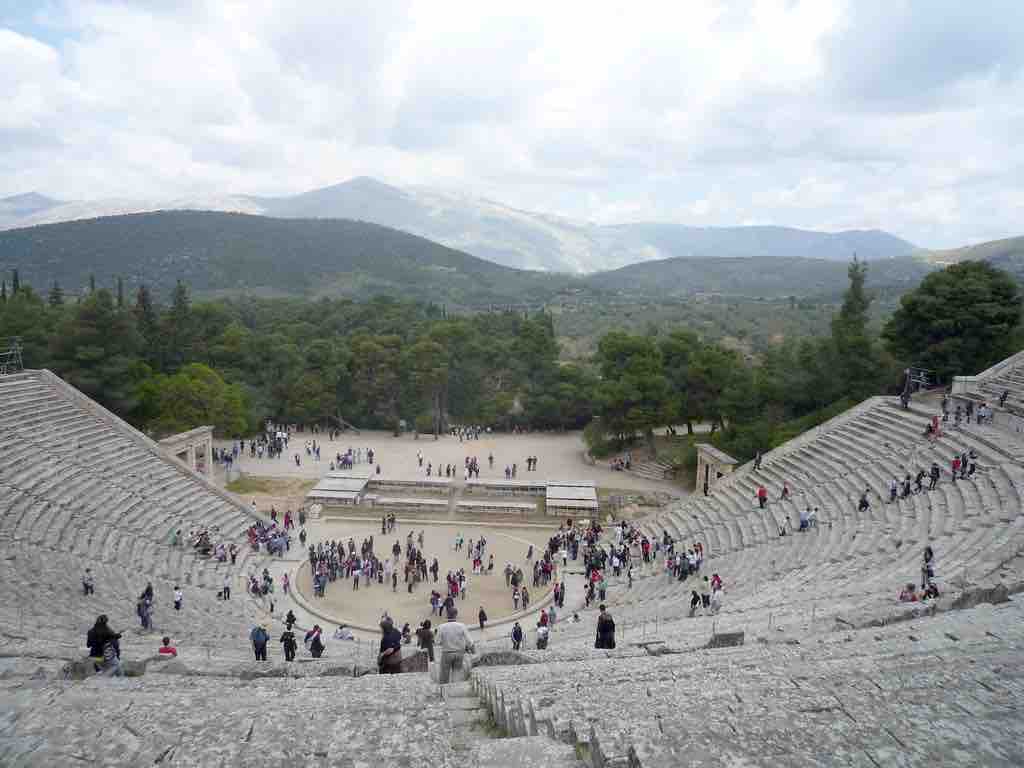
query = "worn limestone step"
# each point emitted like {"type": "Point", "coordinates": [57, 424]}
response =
{"type": "Point", "coordinates": [463, 690]}
{"type": "Point", "coordinates": [523, 752]}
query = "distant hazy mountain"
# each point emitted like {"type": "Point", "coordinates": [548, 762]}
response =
{"type": "Point", "coordinates": [504, 235]}
{"type": "Point", "coordinates": [19, 208]}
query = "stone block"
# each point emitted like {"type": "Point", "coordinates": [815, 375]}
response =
{"type": "Point", "coordinates": [413, 660]}
{"type": "Point", "coordinates": [501, 659]}
{"type": "Point", "coordinates": [974, 597]}
{"type": "Point", "coordinates": [725, 640]}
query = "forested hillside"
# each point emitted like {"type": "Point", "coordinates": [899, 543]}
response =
{"type": "Point", "coordinates": [221, 254]}
{"type": "Point", "coordinates": [239, 254]}
{"type": "Point", "coordinates": [768, 277]}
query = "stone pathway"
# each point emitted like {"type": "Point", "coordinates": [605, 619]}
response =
{"type": "Point", "coordinates": [472, 737]}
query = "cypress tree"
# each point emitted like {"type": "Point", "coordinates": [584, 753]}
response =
{"type": "Point", "coordinates": [3, 292]}
{"type": "Point", "coordinates": [147, 322]}
{"type": "Point", "coordinates": [120, 293]}
{"type": "Point", "coordinates": [56, 295]}
{"type": "Point", "coordinates": [15, 282]}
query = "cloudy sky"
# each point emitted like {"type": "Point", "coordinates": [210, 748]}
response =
{"type": "Point", "coordinates": [906, 116]}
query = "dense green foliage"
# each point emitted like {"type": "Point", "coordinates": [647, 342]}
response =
{"type": "Point", "coordinates": [750, 408]}
{"type": "Point", "coordinates": [959, 320]}
{"type": "Point", "coordinates": [235, 362]}
{"type": "Point", "coordinates": [232, 363]}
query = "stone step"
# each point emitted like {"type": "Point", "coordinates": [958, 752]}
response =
{"type": "Point", "coordinates": [523, 752]}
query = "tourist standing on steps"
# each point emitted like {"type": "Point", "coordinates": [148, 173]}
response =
{"type": "Point", "coordinates": [259, 638]}
{"type": "Point", "coordinates": [455, 642]}
{"type": "Point", "coordinates": [226, 592]}
{"type": "Point", "coordinates": [517, 636]}
{"type": "Point", "coordinates": [425, 639]}
{"type": "Point", "coordinates": [145, 608]}
{"type": "Point", "coordinates": [927, 566]}
{"type": "Point", "coordinates": [179, 597]}
{"type": "Point", "coordinates": [605, 630]}
{"type": "Point", "coordinates": [314, 643]}
{"type": "Point", "coordinates": [87, 583]}
{"type": "Point", "coordinates": [389, 659]}
{"type": "Point", "coordinates": [289, 643]}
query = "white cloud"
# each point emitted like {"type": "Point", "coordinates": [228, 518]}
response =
{"type": "Point", "coordinates": [899, 115]}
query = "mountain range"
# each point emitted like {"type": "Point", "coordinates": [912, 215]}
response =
{"type": "Point", "coordinates": [491, 230]}
{"type": "Point", "coordinates": [220, 253]}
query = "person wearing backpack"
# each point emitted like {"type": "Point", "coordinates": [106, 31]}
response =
{"type": "Point", "coordinates": [104, 648]}
{"type": "Point", "coordinates": [259, 638]}
{"type": "Point", "coordinates": [517, 636]}
{"type": "Point", "coordinates": [314, 643]}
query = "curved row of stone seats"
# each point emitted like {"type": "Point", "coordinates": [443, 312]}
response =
{"type": "Point", "coordinates": [907, 694]}
{"type": "Point", "coordinates": [78, 468]}
{"type": "Point", "coordinates": [729, 520]}
{"type": "Point", "coordinates": [1006, 376]}
{"type": "Point", "coordinates": [50, 603]}
{"type": "Point", "coordinates": [80, 488]}
{"type": "Point", "coordinates": [47, 522]}
{"type": "Point", "coordinates": [92, 444]}
{"type": "Point", "coordinates": [853, 563]}
{"type": "Point", "coordinates": [174, 720]}
{"type": "Point", "coordinates": [870, 574]}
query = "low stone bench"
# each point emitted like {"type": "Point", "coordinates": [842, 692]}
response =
{"type": "Point", "coordinates": [442, 486]}
{"type": "Point", "coordinates": [506, 488]}
{"type": "Point", "coordinates": [395, 502]}
{"type": "Point", "coordinates": [505, 507]}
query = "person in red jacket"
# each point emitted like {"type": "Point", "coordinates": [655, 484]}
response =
{"type": "Point", "coordinates": [762, 496]}
{"type": "Point", "coordinates": [167, 649]}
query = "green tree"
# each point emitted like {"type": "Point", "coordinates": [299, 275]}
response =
{"type": "Point", "coordinates": [426, 363]}
{"type": "Point", "coordinates": [147, 321]}
{"type": "Point", "coordinates": [634, 393]}
{"type": "Point", "coordinates": [27, 316]}
{"type": "Point", "coordinates": [195, 396]}
{"type": "Point", "coordinates": [120, 293]}
{"type": "Point", "coordinates": [177, 325]}
{"type": "Point", "coordinates": [96, 349]}
{"type": "Point", "coordinates": [56, 295]}
{"type": "Point", "coordinates": [678, 350]}
{"type": "Point", "coordinates": [15, 282]}
{"type": "Point", "coordinates": [375, 379]}
{"type": "Point", "coordinates": [959, 321]}
{"type": "Point", "coordinates": [857, 356]}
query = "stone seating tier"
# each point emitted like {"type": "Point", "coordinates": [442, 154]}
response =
{"type": "Point", "coordinates": [878, 697]}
